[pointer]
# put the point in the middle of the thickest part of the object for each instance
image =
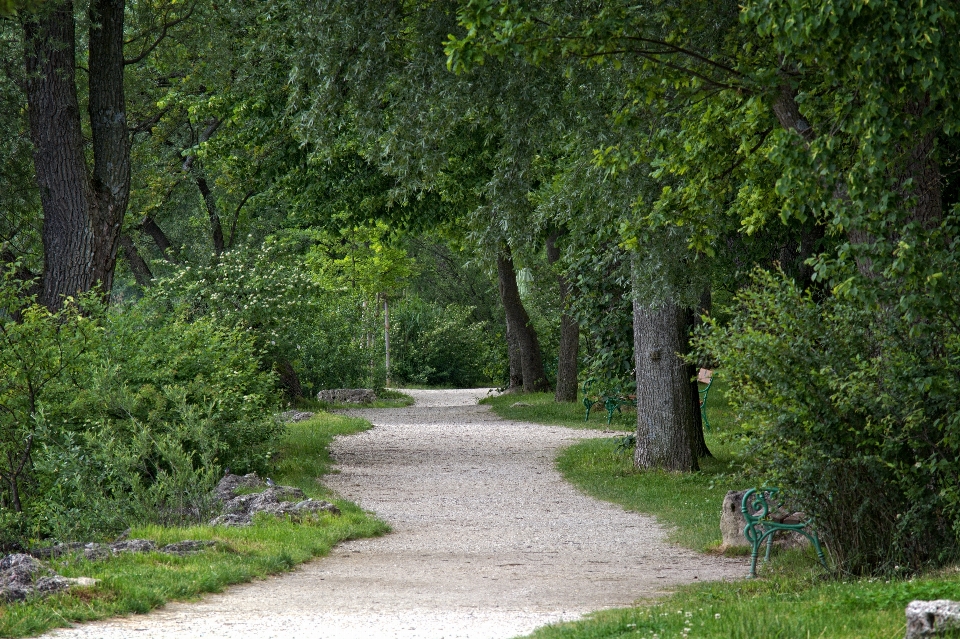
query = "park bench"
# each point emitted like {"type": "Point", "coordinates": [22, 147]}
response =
{"type": "Point", "coordinates": [612, 400]}
{"type": "Point", "coordinates": [705, 376]}
{"type": "Point", "coordinates": [763, 511]}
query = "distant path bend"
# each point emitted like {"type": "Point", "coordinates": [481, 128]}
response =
{"type": "Point", "coordinates": [489, 542]}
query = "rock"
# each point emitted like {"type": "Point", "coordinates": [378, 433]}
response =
{"type": "Point", "coordinates": [22, 575]}
{"type": "Point", "coordinates": [294, 416]}
{"type": "Point", "coordinates": [228, 486]}
{"type": "Point", "coordinates": [187, 546]}
{"type": "Point", "coordinates": [58, 550]}
{"type": "Point", "coordinates": [931, 618]}
{"type": "Point", "coordinates": [133, 545]}
{"type": "Point", "coordinates": [347, 396]}
{"type": "Point", "coordinates": [279, 501]}
{"type": "Point", "coordinates": [732, 522]}
{"type": "Point", "coordinates": [95, 552]}
{"type": "Point", "coordinates": [83, 582]}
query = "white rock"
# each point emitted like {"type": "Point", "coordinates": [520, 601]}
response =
{"type": "Point", "coordinates": [931, 618]}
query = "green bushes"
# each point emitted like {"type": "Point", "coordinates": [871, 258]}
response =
{"type": "Point", "coordinates": [443, 346]}
{"type": "Point", "coordinates": [311, 336]}
{"type": "Point", "coordinates": [109, 418]}
{"type": "Point", "coordinates": [853, 411]}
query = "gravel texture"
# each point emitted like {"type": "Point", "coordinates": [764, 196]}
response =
{"type": "Point", "coordinates": [488, 542]}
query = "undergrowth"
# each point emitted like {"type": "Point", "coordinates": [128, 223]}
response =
{"type": "Point", "coordinates": [137, 583]}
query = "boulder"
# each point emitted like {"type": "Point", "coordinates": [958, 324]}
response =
{"type": "Point", "coordinates": [228, 486]}
{"type": "Point", "coordinates": [347, 396]}
{"type": "Point", "coordinates": [22, 575]}
{"type": "Point", "coordinates": [239, 510]}
{"type": "Point", "coordinates": [932, 618]}
{"type": "Point", "coordinates": [732, 522]}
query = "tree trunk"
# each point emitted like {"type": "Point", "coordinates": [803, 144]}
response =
{"type": "Point", "coordinates": [150, 227]}
{"type": "Point", "coordinates": [513, 354]}
{"type": "Point", "coordinates": [82, 212]}
{"type": "Point", "coordinates": [49, 44]}
{"type": "Point", "coordinates": [289, 379]}
{"type": "Point", "coordinates": [569, 334]}
{"type": "Point", "coordinates": [531, 359]}
{"type": "Point", "coordinates": [216, 228]}
{"type": "Point", "coordinates": [111, 138]}
{"type": "Point", "coordinates": [138, 266]}
{"type": "Point", "coordinates": [667, 404]}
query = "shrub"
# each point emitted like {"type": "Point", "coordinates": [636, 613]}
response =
{"type": "Point", "coordinates": [109, 418]}
{"type": "Point", "coordinates": [437, 345]}
{"type": "Point", "coordinates": [854, 414]}
{"type": "Point", "coordinates": [310, 336]}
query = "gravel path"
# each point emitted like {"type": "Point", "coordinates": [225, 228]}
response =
{"type": "Point", "coordinates": [488, 542]}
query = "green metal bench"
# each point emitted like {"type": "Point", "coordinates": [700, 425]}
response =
{"type": "Point", "coordinates": [762, 524]}
{"type": "Point", "coordinates": [703, 400]}
{"type": "Point", "coordinates": [612, 401]}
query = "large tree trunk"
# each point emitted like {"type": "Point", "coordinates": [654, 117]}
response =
{"type": "Point", "coordinates": [531, 359]}
{"type": "Point", "coordinates": [82, 212]}
{"type": "Point", "coordinates": [58, 153]}
{"type": "Point", "coordinates": [569, 334]}
{"type": "Point", "coordinates": [111, 138]}
{"type": "Point", "coordinates": [667, 413]}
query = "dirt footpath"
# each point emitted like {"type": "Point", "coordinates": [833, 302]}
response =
{"type": "Point", "coordinates": [488, 542]}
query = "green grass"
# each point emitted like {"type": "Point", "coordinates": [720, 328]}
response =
{"type": "Point", "coordinates": [137, 583]}
{"type": "Point", "coordinates": [792, 599]}
{"type": "Point", "coordinates": [542, 409]}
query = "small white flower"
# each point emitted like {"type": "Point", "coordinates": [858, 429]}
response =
{"type": "Point", "coordinates": [716, 616]}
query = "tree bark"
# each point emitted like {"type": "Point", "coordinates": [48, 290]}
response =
{"type": "Point", "coordinates": [667, 404]}
{"type": "Point", "coordinates": [49, 45]}
{"type": "Point", "coordinates": [531, 358]}
{"type": "Point", "coordinates": [216, 228]}
{"type": "Point", "coordinates": [515, 382]}
{"type": "Point", "coordinates": [111, 138]}
{"type": "Point", "coordinates": [138, 266]}
{"type": "Point", "coordinates": [569, 334]}
{"type": "Point", "coordinates": [82, 211]}
{"type": "Point", "coordinates": [289, 379]}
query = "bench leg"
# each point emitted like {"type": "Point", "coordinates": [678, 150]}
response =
{"type": "Point", "coordinates": [816, 546]}
{"type": "Point", "coordinates": [754, 554]}
{"type": "Point", "coordinates": [766, 558]}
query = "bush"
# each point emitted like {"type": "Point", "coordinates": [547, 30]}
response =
{"type": "Point", "coordinates": [441, 346]}
{"type": "Point", "coordinates": [854, 414]}
{"type": "Point", "coordinates": [311, 337]}
{"type": "Point", "coordinates": [109, 418]}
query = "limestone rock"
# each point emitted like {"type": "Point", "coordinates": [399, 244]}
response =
{"type": "Point", "coordinates": [732, 522]}
{"type": "Point", "coordinates": [239, 510]}
{"type": "Point", "coordinates": [294, 416]}
{"type": "Point", "coordinates": [347, 396]}
{"type": "Point", "coordinates": [22, 575]}
{"type": "Point", "coordinates": [932, 618]}
{"type": "Point", "coordinates": [133, 545]}
{"type": "Point", "coordinates": [187, 546]}
{"type": "Point", "coordinates": [228, 486]}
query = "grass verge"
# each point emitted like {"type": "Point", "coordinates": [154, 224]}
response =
{"type": "Point", "coordinates": [541, 408]}
{"type": "Point", "coordinates": [791, 600]}
{"type": "Point", "coordinates": [137, 583]}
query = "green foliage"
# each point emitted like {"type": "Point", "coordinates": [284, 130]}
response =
{"type": "Point", "coordinates": [292, 320]}
{"type": "Point", "coordinates": [442, 346]}
{"type": "Point", "coordinates": [137, 583]}
{"type": "Point", "coordinates": [116, 417]}
{"type": "Point", "coordinates": [853, 413]}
